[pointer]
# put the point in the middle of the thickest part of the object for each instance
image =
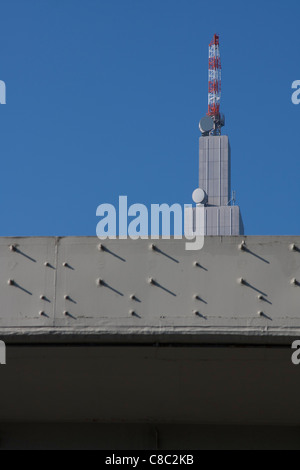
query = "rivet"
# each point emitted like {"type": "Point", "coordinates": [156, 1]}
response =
{"type": "Point", "coordinates": [293, 247]}
{"type": "Point", "coordinates": [66, 297]}
{"type": "Point", "coordinates": [132, 313]}
{"type": "Point", "coordinates": [47, 264]}
{"type": "Point", "coordinates": [196, 264]}
{"type": "Point", "coordinates": [260, 297]}
{"type": "Point", "coordinates": [196, 297]}
{"type": "Point", "coordinates": [198, 314]}
{"type": "Point", "coordinates": [132, 297]}
{"type": "Point", "coordinates": [260, 313]}
{"type": "Point", "coordinates": [242, 246]}
{"type": "Point", "coordinates": [66, 313]}
{"type": "Point", "coordinates": [151, 280]}
{"type": "Point", "coordinates": [100, 247]}
{"type": "Point", "coordinates": [13, 248]}
{"type": "Point", "coordinates": [152, 246]}
{"type": "Point", "coordinates": [294, 282]}
{"type": "Point", "coordinates": [41, 313]}
{"type": "Point", "coordinates": [10, 282]}
{"type": "Point", "coordinates": [42, 297]}
{"type": "Point", "coordinates": [65, 265]}
{"type": "Point", "coordinates": [241, 281]}
{"type": "Point", "coordinates": [99, 282]}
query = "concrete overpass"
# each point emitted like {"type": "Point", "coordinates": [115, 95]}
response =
{"type": "Point", "coordinates": [125, 345]}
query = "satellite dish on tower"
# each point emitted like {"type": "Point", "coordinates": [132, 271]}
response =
{"type": "Point", "coordinates": [206, 124]}
{"type": "Point", "coordinates": [199, 196]}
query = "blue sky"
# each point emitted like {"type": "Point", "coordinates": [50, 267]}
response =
{"type": "Point", "coordinates": [104, 98]}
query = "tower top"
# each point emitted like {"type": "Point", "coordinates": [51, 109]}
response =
{"type": "Point", "coordinates": [214, 118]}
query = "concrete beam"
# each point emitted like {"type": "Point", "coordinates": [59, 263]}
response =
{"type": "Point", "coordinates": [235, 290]}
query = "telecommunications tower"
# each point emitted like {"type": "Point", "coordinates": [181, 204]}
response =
{"type": "Point", "coordinates": [213, 197]}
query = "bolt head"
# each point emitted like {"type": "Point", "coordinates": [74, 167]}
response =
{"type": "Point", "coordinates": [242, 246]}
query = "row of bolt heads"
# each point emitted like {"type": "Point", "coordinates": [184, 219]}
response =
{"type": "Point", "coordinates": [242, 247]}
{"type": "Point", "coordinates": [152, 246]}
{"type": "Point", "coordinates": [101, 247]}
{"type": "Point", "coordinates": [133, 297]}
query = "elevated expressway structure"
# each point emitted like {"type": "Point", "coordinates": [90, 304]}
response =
{"type": "Point", "coordinates": [187, 349]}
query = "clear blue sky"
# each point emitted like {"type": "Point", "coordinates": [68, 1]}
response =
{"type": "Point", "coordinates": [104, 99]}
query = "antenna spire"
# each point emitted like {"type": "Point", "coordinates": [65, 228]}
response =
{"type": "Point", "coordinates": [215, 85]}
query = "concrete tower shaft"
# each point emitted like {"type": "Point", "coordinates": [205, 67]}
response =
{"type": "Point", "coordinates": [220, 217]}
{"type": "Point", "coordinates": [215, 169]}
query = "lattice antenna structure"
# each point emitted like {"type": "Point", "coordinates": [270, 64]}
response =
{"type": "Point", "coordinates": [214, 77]}
{"type": "Point", "coordinates": [215, 85]}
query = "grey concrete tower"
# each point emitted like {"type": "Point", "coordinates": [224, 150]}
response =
{"type": "Point", "coordinates": [216, 214]}
{"type": "Point", "coordinates": [220, 216]}
{"type": "Point", "coordinates": [214, 169]}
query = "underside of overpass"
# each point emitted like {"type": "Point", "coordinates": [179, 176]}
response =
{"type": "Point", "coordinates": [145, 345]}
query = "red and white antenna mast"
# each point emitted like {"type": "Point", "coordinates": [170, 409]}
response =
{"type": "Point", "coordinates": [214, 88]}
{"type": "Point", "coordinates": [214, 77]}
